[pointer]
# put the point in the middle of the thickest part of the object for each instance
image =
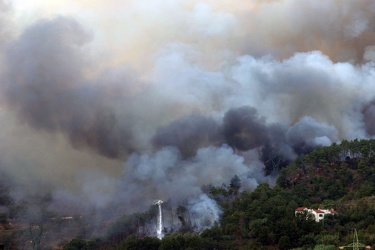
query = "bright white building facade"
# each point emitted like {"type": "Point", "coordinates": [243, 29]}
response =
{"type": "Point", "coordinates": [317, 214]}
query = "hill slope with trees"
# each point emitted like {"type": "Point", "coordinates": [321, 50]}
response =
{"type": "Point", "coordinates": [340, 176]}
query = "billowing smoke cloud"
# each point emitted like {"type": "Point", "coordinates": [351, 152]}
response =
{"type": "Point", "coordinates": [189, 134]}
{"type": "Point", "coordinates": [347, 29]}
{"type": "Point", "coordinates": [4, 30]}
{"type": "Point", "coordinates": [118, 105]}
{"type": "Point", "coordinates": [204, 211]}
{"type": "Point", "coordinates": [165, 174]}
{"type": "Point", "coordinates": [308, 134]}
{"type": "Point", "coordinates": [243, 129]}
{"type": "Point", "coordinates": [369, 118]}
{"type": "Point", "coordinates": [45, 84]}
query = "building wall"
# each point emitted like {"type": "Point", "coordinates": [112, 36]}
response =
{"type": "Point", "coordinates": [317, 213]}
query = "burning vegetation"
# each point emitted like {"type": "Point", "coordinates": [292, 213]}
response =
{"type": "Point", "coordinates": [105, 107]}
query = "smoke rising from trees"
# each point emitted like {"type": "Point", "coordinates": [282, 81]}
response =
{"type": "Point", "coordinates": [128, 102]}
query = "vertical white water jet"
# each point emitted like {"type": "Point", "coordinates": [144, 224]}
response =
{"type": "Point", "coordinates": [159, 230]}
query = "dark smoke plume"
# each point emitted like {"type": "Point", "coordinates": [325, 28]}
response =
{"type": "Point", "coordinates": [189, 134]}
{"type": "Point", "coordinates": [107, 107]}
{"type": "Point", "coordinates": [243, 129]}
{"type": "Point", "coordinates": [47, 87]}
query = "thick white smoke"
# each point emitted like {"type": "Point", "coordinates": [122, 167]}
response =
{"type": "Point", "coordinates": [205, 211]}
{"type": "Point", "coordinates": [165, 174]}
{"type": "Point", "coordinates": [116, 104]}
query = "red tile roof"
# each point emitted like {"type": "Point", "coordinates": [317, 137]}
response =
{"type": "Point", "coordinates": [318, 211]}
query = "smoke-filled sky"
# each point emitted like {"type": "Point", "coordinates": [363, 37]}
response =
{"type": "Point", "coordinates": [127, 101]}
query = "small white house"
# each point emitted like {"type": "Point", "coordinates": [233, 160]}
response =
{"type": "Point", "coordinates": [318, 214]}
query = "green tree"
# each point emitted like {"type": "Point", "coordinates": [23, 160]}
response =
{"type": "Point", "coordinates": [145, 243]}
{"type": "Point", "coordinates": [35, 233]}
{"type": "Point", "coordinates": [171, 242]}
{"type": "Point", "coordinates": [234, 185]}
{"type": "Point", "coordinates": [284, 243]}
{"type": "Point", "coordinates": [307, 241]}
{"type": "Point", "coordinates": [76, 244]}
{"type": "Point", "coordinates": [214, 233]}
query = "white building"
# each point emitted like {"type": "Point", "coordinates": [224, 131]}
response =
{"type": "Point", "coordinates": [318, 214]}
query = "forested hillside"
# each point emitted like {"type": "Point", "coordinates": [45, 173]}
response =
{"type": "Point", "coordinates": [340, 177]}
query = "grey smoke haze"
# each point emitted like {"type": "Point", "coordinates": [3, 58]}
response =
{"type": "Point", "coordinates": [117, 110]}
{"type": "Point", "coordinates": [243, 129]}
{"type": "Point", "coordinates": [308, 134]}
{"type": "Point", "coordinates": [166, 175]}
{"type": "Point", "coordinates": [189, 134]}
{"type": "Point", "coordinates": [47, 89]}
{"type": "Point", "coordinates": [369, 118]}
{"type": "Point", "coordinates": [204, 211]}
